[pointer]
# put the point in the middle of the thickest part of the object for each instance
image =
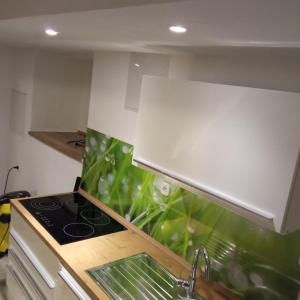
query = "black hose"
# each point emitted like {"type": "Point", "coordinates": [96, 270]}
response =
{"type": "Point", "coordinates": [15, 167]}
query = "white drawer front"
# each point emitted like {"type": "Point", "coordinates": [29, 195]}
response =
{"type": "Point", "coordinates": [15, 287]}
{"type": "Point", "coordinates": [35, 272]}
{"type": "Point", "coordinates": [70, 287]}
{"type": "Point", "coordinates": [34, 248]}
{"type": "Point", "coordinates": [18, 270]}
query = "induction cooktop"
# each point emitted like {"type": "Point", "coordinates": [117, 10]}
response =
{"type": "Point", "coordinates": [71, 217]}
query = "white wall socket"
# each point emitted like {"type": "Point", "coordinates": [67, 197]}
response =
{"type": "Point", "coordinates": [165, 188]}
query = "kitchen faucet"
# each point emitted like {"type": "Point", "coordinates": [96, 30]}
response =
{"type": "Point", "coordinates": [189, 284]}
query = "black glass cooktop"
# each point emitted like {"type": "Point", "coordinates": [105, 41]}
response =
{"type": "Point", "coordinates": [70, 217]}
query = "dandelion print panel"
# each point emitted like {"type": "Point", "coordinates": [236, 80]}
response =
{"type": "Point", "coordinates": [253, 262]}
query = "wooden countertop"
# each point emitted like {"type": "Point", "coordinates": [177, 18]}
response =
{"type": "Point", "coordinates": [80, 256]}
{"type": "Point", "coordinates": [61, 142]}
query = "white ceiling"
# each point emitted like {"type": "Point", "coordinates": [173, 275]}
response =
{"type": "Point", "coordinates": [10, 9]}
{"type": "Point", "coordinates": [210, 23]}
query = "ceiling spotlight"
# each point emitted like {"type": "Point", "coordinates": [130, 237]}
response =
{"type": "Point", "coordinates": [137, 65]}
{"type": "Point", "coordinates": [51, 32]}
{"type": "Point", "coordinates": [177, 29]}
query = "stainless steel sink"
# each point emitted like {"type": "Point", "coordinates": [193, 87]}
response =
{"type": "Point", "coordinates": [135, 278]}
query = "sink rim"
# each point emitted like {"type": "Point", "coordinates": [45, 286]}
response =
{"type": "Point", "coordinates": [168, 279]}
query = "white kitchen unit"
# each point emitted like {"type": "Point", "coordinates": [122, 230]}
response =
{"type": "Point", "coordinates": [34, 272]}
{"type": "Point", "coordinates": [239, 146]}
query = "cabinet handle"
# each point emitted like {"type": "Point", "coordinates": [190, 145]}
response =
{"type": "Point", "coordinates": [33, 259]}
{"type": "Point", "coordinates": [19, 282]}
{"type": "Point", "coordinates": [72, 284]}
{"type": "Point", "coordinates": [19, 263]}
{"type": "Point", "coordinates": [201, 188]}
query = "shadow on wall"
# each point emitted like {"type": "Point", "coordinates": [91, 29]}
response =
{"type": "Point", "coordinates": [251, 261]}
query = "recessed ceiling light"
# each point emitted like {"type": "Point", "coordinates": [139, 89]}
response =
{"type": "Point", "coordinates": [51, 32]}
{"type": "Point", "coordinates": [177, 29]}
{"type": "Point", "coordinates": [137, 65]}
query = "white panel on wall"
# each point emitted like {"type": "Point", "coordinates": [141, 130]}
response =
{"type": "Point", "coordinates": [18, 112]}
{"type": "Point", "coordinates": [143, 64]}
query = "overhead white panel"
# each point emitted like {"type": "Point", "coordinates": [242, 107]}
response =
{"type": "Point", "coordinates": [239, 144]}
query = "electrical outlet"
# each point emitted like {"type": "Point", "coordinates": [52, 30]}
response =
{"type": "Point", "coordinates": [165, 188]}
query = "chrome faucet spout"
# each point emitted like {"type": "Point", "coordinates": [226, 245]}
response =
{"type": "Point", "coordinates": [192, 279]}
{"type": "Point", "coordinates": [191, 282]}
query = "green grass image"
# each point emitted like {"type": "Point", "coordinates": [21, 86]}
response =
{"type": "Point", "coordinates": [246, 256]}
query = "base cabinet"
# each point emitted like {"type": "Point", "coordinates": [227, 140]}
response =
{"type": "Point", "coordinates": [34, 272]}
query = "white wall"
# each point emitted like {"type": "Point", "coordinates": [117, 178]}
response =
{"type": "Point", "coordinates": [6, 71]}
{"type": "Point", "coordinates": [107, 111]}
{"type": "Point", "coordinates": [180, 66]}
{"type": "Point", "coordinates": [23, 80]}
{"type": "Point", "coordinates": [60, 92]}
{"type": "Point", "coordinates": [115, 79]}
{"type": "Point", "coordinates": [108, 114]}
{"type": "Point", "coordinates": [143, 64]}
{"type": "Point", "coordinates": [266, 70]}
{"type": "Point", "coordinates": [43, 170]}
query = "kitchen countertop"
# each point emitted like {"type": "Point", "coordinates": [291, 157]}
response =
{"type": "Point", "coordinates": [61, 142]}
{"type": "Point", "coordinates": [80, 256]}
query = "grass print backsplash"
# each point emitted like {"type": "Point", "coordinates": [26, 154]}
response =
{"type": "Point", "coordinates": [253, 262]}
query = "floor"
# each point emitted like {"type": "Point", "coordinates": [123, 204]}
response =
{"type": "Point", "coordinates": [3, 264]}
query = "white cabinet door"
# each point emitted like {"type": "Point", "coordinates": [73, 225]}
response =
{"type": "Point", "coordinates": [239, 145]}
{"type": "Point", "coordinates": [69, 289]}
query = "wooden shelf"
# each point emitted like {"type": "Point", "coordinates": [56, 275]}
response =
{"type": "Point", "coordinates": [62, 141]}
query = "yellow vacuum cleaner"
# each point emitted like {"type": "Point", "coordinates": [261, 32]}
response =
{"type": "Point", "coordinates": [5, 213]}
{"type": "Point", "coordinates": [4, 226]}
